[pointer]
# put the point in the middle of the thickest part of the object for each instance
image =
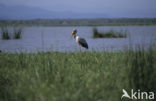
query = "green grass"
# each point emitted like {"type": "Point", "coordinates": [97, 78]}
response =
{"type": "Point", "coordinates": [108, 34]}
{"type": "Point", "coordinates": [92, 76]}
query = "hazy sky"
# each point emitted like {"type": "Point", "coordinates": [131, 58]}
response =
{"type": "Point", "coordinates": [146, 7]}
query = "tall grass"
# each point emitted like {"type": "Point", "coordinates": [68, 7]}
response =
{"type": "Point", "coordinates": [92, 76]}
{"type": "Point", "coordinates": [142, 69]}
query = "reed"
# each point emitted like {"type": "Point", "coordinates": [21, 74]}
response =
{"type": "Point", "coordinates": [17, 33]}
{"type": "Point", "coordinates": [5, 33]}
{"type": "Point", "coordinates": [108, 34]}
{"type": "Point", "coordinates": [95, 76]}
{"type": "Point", "coordinates": [142, 69]}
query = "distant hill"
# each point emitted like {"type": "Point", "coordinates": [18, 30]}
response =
{"type": "Point", "coordinates": [26, 12]}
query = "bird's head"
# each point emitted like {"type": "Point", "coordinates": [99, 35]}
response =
{"type": "Point", "coordinates": [73, 32]}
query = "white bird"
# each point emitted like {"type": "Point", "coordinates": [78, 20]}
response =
{"type": "Point", "coordinates": [125, 94]}
{"type": "Point", "coordinates": [81, 41]}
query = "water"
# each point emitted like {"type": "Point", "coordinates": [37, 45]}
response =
{"type": "Point", "coordinates": [58, 39]}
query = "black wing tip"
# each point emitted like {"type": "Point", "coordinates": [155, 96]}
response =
{"type": "Point", "coordinates": [86, 47]}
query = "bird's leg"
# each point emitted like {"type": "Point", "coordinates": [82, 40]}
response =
{"type": "Point", "coordinates": [80, 48]}
{"type": "Point", "coordinates": [86, 49]}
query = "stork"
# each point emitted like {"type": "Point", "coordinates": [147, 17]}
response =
{"type": "Point", "coordinates": [81, 41]}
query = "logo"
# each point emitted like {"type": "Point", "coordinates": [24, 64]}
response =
{"type": "Point", "coordinates": [137, 95]}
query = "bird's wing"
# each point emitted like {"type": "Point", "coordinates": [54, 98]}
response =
{"type": "Point", "coordinates": [82, 40]}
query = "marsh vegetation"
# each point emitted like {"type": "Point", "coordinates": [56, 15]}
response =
{"type": "Point", "coordinates": [109, 34]}
{"type": "Point", "coordinates": [4, 33]}
{"type": "Point", "coordinates": [91, 76]}
{"type": "Point", "coordinates": [16, 33]}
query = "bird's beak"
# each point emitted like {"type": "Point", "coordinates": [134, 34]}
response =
{"type": "Point", "coordinates": [71, 36]}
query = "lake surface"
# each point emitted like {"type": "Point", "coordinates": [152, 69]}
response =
{"type": "Point", "coordinates": [58, 39]}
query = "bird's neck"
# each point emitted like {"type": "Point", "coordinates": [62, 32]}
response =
{"type": "Point", "coordinates": [75, 36]}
